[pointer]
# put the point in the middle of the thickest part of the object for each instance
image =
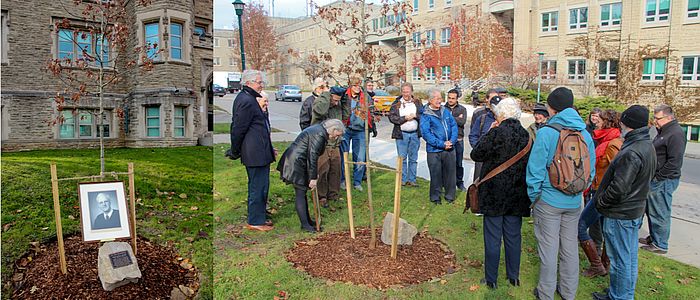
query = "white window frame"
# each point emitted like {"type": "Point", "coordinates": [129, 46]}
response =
{"type": "Point", "coordinates": [216, 42]}
{"type": "Point", "coordinates": [695, 13]}
{"type": "Point", "coordinates": [546, 75]}
{"type": "Point", "coordinates": [695, 76]}
{"type": "Point", "coordinates": [5, 30]}
{"type": "Point", "coordinates": [653, 76]}
{"type": "Point", "coordinates": [607, 75]}
{"type": "Point", "coordinates": [216, 61]}
{"type": "Point", "coordinates": [416, 74]}
{"type": "Point", "coordinates": [146, 118]}
{"type": "Point", "coordinates": [430, 74]}
{"type": "Point", "coordinates": [578, 26]}
{"type": "Point", "coordinates": [657, 17]}
{"type": "Point", "coordinates": [550, 29]}
{"type": "Point", "coordinates": [184, 121]}
{"type": "Point", "coordinates": [231, 43]}
{"type": "Point", "coordinates": [417, 39]}
{"type": "Point", "coordinates": [77, 118]}
{"type": "Point", "coordinates": [182, 40]}
{"type": "Point", "coordinates": [416, 3]}
{"type": "Point", "coordinates": [159, 44]}
{"type": "Point", "coordinates": [443, 40]}
{"type": "Point", "coordinates": [611, 21]}
{"type": "Point", "coordinates": [429, 37]}
{"type": "Point", "coordinates": [431, 4]}
{"type": "Point", "coordinates": [579, 69]}
{"type": "Point", "coordinates": [76, 52]}
{"type": "Point", "coordinates": [231, 61]}
{"type": "Point", "coordinates": [445, 72]}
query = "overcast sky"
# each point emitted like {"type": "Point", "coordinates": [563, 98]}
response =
{"type": "Point", "coordinates": [225, 15]}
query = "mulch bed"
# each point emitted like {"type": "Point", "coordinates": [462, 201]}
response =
{"type": "Point", "coordinates": [38, 276]}
{"type": "Point", "coordinates": [337, 257]}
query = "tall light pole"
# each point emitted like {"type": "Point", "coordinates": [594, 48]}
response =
{"type": "Point", "coordinates": [239, 5]}
{"type": "Point", "coordinates": [539, 72]}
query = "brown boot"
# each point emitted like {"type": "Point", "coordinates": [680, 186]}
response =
{"type": "Point", "coordinates": [597, 268]}
{"type": "Point", "coordinates": [605, 260]}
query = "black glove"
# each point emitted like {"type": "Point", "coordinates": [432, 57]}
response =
{"type": "Point", "coordinates": [231, 155]}
{"type": "Point", "coordinates": [374, 131]}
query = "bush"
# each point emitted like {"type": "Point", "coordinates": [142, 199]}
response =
{"type": "Point", "coordinates": [586, 104]}
{"type": "Point", "coordinates": [527, 96]}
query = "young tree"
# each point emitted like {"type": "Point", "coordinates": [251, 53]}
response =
{"type": "Point", "coordinates": [99, 57]}
{"type": "Point", "coordinates": [315, 65]}
{"type": "Point", "coordinates": [260, 40]}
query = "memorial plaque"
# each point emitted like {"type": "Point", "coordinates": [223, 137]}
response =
{"type": "Point", "coordinates": [120, 259]}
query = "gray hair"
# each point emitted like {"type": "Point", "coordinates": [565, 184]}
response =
{"type": "Point", "coordinates": [103, 197]}
{"type": "Point", "coordinates": [408, 84]}
{"type": "Point", "coordinates": [508, 108]}
{"type": "Point", "coordinates": [318, 82]}
{"type": "Point", "coordinates": [333, 125]}
{"type": "Point", "coordinates": [665, 108]}
{"type": "Point", "coordinates": [433, 90]}
{"type": "Point", "coordinates": [251, 75]}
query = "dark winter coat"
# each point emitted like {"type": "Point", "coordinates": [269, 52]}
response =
{"type": "Point", "coordinates": [670, 149]}
{"type": "Point", "coordinates": [437, 128]}
{"type": "Point", "coordinates": [299, 163]}
{"type": "Point", "coordinates": [506, 193]}
{"type": "Point", "coordinates": [622, 193]}
{"type": "Point", "coordinates": [305, 112]}
{"type": "Point", "coordinates": [322, 110]}
{"type": "Point", "coordinates": [250, 131]}
{"type": "Point", "coordinates": [396, 119]}
{"type": "Point", "coordinates": [480, 126]}
{"type": "Point", "coordinates": [457, 111]}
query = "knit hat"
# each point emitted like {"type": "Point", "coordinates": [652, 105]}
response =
{"type": "Point", "coordinates": [560, 99]}
{"type": "Point", "coordinates": [501, 90]}
{"type": "Point", "coordinates": [636, 116]}
{"type": "Point", "coordinates": [337, 90]}
{"type": "Point", "coordinates": [541, 109]}
{"type": "Point", "coordinates": [495, 100]}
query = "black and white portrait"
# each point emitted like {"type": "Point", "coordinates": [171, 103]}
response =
{"type": "Point", "coordinates": [103, 210]}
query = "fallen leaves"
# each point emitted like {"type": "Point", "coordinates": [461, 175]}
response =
{"type": "Point", "coordinates": [473, 288]}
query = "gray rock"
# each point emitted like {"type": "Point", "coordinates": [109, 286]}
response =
{"type": "Point", "coordinates": [406, 231]}
{"type": "Point", "coordinates": [177, 294]}
{"type": "Point", "coordinates": [111, 277]}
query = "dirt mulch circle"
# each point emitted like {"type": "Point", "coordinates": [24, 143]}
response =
{"type": "Point", "coordinates": [337, 257]}
{"type": "Point", "coordinates": [37, 274]}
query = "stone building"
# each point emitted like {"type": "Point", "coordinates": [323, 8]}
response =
{"type": "Point", "coordinates": [227, 51]}
{"type": "Point", "coordinates": [169, 105]}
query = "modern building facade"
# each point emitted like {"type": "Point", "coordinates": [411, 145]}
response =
{"type": "Point", "coordinates": [170, 105]}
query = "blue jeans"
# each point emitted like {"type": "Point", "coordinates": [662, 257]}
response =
{"type": "Point", "coordinates": [506, 228]}
{"type": "Point", "coordinates": [659, 210]}
{"type": "Point", "coordinates": [459, 148]}
{"type": "Point", "coordinates": [621, 246]}
{"type": "Point", "coordinates": [589, 216]}
{"type": "Point", "coordinates": [258, 186]}
{"type": "Point", "coordinates": [356, 140]}
{"type": "Point", "coordinates": [408, 151]}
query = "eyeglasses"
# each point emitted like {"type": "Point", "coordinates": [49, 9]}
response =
{"type": "Point", "coordinates": [659, 118]}
{"type": "Point", "coordinates": [260, 82]}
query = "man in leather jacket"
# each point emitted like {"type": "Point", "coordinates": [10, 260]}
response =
{"type": "Point", "coordinates": [621, 199]}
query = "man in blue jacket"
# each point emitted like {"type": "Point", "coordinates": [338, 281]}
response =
{"type": "Point", "coordinates": [556, 213]}
{"type": "Point", "coordinates": [439, 130]}
{"type": "Point", "coordinates": [250, 140]}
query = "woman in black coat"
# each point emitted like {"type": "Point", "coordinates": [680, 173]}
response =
{"type": "Point", "coordinates": [299, 163]}
{"type": "Point", "coordinates": [503, 199]}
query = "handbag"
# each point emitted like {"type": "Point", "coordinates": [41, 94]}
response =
{"type": "Point", "coordinates": [472, 201]}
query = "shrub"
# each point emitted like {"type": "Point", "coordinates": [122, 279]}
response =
{"type": "Point", "coordinates": [586, 104]}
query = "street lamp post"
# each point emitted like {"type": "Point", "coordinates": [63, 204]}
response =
{"type": "Point", "coordinates": [239, 5]}
{"type": "Point", "coordinates": [539, 72]}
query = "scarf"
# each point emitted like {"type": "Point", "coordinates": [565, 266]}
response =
{"type": "Point", "coordinates": [348, 93]}
{"type": "Point", "coordinates": [603, 137]}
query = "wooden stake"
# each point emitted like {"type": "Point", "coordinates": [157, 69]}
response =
{"type": "Point", "coordinates": [57, 215]}
{"type": "Point", "coordinates": [317, 209]}
{"type": "Point", "coordinates": [373, 239]}
{"type": "Point", "coordinates": [397, 207]}
{"type": "Point", "coordinates": [132, 202]}
{"type": "Point", "coordinates": [349, 194]}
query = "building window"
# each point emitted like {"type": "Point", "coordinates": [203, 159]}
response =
{"type": "Point", "coordinates": [375, 23]}
{"type": "Point", "coordinates": [153, 121]}
{"type": "Point", "coordinates": [657, 10]}
{"type": "Point", "coordinates": [445, 73]}
{"type": "Point", "coordinates": [549, 21]}
{"type": "Point", "coordinates": [577, 69]}
{"type": "Point", "coordinates": [607, 70]}
{"type": "Point", "coordinates": [691, 68]}
{"type": "Point", "coordinates": [176, 41]}
{"type": "Point", "coordinates": [72, 44]}
{"type": "Point", "coordinates": [446, 35]}
{"type": "Point", "coordinates": [430, 73]}
{"type": "Point", "coordinates": [152, 39]}
{"type": "Point", "coordinates": [416, 73]}
{"type": "Point", "coordinates": [549, 69]}
{"type": "Point", "coordinates": [431, 3]}
{"type": "Point", "coordinates": [416, 39]}
{"type": "Point", "coordinates": [610, 14]}
{"type": "Point", "coordinates": [216, 42]}
{"type": "Point", "coordinates": [654, 69]}
{"type": "Point", "coordinates": [448, 2]}
{"type": "Point", "coordinates": [415, 5]}
{"type": "Point", "coordinates": [200, 31]}
{"type": "Point", "coordinates": [578, 18]}
{"type": "Point", "coordinates": [231, 43]}
{"type": "Point", "coordinates": [179, 121]}
{"type": "Point", "coordinates": [217, 61]}
{"type": "Point", "coordinates": [5, 29]}
{"type": "Point", "coordinates": [231, 61]}
{"type": "Point", "coordinates": [83, 124]}
{"type": "Point", "coordinates": [429, 37]}
{"type": "Point", "coordinates": [67, 129]}
{"type": "Point", "coordinates": [693, 9]}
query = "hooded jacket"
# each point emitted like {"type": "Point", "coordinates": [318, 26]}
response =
{"type": "Point", "coordinates": [436, 130]}
{"type": "Point", "coordinates": [299, 162]}
{"type": "Point", "coordinates": [623, 192]}
{"type": "Point", "coordinates": [538, 184]}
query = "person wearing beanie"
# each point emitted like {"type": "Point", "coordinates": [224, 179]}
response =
{"type": "Point", "coordinates": [541, 115]}
{"type": "Point", "coordinates": [621, 199]}
{"type": "Point", "coordinates": [556, 213]}
{"type": "Point", "coordinates": [670, 148]}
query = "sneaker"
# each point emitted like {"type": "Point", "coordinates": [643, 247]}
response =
{"type": "Point", "coordinates": [461, 188]}
{"type": "Point", "coordinates": [490, 285]}
{"type": "Point", "coordinates": [654, 249]}
{"type": "Point", "coordinates": [600, 296]}
{"type": "Point", "coordinates": [415, 184]}
{"type": "Point", "coordinates": [646, 240]}
{"type": "Point", "coordinates": [323, 202]}
{"type": "Point", "coordinates": [358, 187]}
{"type": "Point", "coordinates": [478, 214]}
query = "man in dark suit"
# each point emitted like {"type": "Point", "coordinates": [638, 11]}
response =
{"type": "Point", "coordinates": [250, 141]}
{"type": "Point", "coordinates": [109, 218]}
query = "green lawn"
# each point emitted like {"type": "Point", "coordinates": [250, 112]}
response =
{"type": "Point", "coordinates": [226, 127]}
{"type": "Point", "coordinates": [252, 265]}
{"type": "Point", "coordinates": [184, 219]}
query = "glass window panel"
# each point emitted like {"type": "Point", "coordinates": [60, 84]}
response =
{"type": "Point", "coordinates": [613, 67]}
{"type": "Point", "coordinates": [176, 29]}
{"type": "Point", "coordinates": [179, 122]}
{"type": "Point", "coordinates": [151, 29]}
{"type": "Point", "coordinates": [584, 15]}
{"type": "Point", "coordinates": [179, 131]}
{"type": "Point", "coordinates": [105, 129]}
{"type": "Point", "coordinates": [67, 130]}
{"type": "Point", "coordinates": [573, 16]}
{"type": "Point", "coordinates": [85, 118]}
{"type": "Point", "coordinates": [176, 42]}
{"type": "Point", "coordinates": [651, 7]}
{"type": "Point", "coordinates": [660, 66]}
{"type": "Point", "coordinates": [86, 130]}
{"type": "Point", "coordinates": [545, 20]}
{"type": "Point", "coordinates": [199, 30]}
{"type": "Point", "coordinates": [572, 67]}
{"type": "Point", "coordinates": [693, 4]}
{"type": "Point", "coordinates": [555, 15]}
{"type": "Point", "coordinates": [153, 111]}
{"type": "Point", "coordinates": [153, 132]}
{"type": "Point", "coordinates": [180, 111]}
{"type": "Point", "coordinates": [664, 6]}
{"type": "Point", "coordinates": [602, 67]}
{"type": "Point", "coordinates": [605, 12]}
{"type": "Point", "coordinates": [177, 53]}
{"type": "Point", "coordinates": [647, 66]}
{"type": "Point", "coordinates": [153, 122]}
{"type": "Point", "coordinates": [617, 10]}
{"type": "Point", "coordinates": [688, 63]}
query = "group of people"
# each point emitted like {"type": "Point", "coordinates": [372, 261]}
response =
{"type": "Point", "coordinates": [590, 182]}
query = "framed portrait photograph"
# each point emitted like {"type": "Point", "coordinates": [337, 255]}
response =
{"type": "Point", "coordinates": [103, 212]}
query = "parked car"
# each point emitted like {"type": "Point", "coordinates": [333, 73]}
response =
{"type": "Point", "coordinates": [219, 90]}
{"type": "Point", "coordinates": [382, 101]}
{"type": "Point", "coordinates": [286, 91]}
